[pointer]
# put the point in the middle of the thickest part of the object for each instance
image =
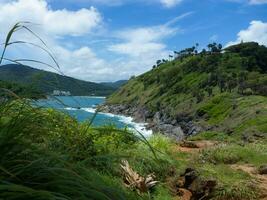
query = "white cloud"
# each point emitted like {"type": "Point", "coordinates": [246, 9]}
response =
{"type": "Point", "coordinates": [144, 40]}
{"type": "Point", "coordinates": [59, 22]}
{"type": "Point", "coordinates": [135, 52]}
{"type": "Point", "coordinates": [142, 47]}
{"type": "Point", "coordinates": [257, 32]}
{"type": "Point", "coordinates": [251, 2]}
{"type": "Point", "coordinates": [165, 3]}
{"type": "Point", "coordinates": [257, 2]}
{"type": "Point", "coordinates": [170, 3]}
{"type": "Point", "coordinates": [54, 26]}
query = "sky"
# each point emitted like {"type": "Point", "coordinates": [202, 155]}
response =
{"type": "Point", "coordinates": [110, 40]}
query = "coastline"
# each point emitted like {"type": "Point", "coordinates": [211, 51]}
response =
{"type": "Point", "coordinates": [158, 122]}
{"type": "Point", "coordinates": [137, 127]}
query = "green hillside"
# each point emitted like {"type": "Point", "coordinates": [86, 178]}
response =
{"type": "Point", "coordinates": [14, 90]}
{"type": "Point", "coordinates": [221, 91]}
{"type": "Point", "coordinates": [116, 84]}
{"type": "Point", "coordinates": [48, 81]}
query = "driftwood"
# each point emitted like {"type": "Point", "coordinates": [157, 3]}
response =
{"type": "Point", "coordinates": [133, 180]}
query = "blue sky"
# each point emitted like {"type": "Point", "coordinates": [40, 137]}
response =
{"type": "Point", "coordinates": [108, 40]}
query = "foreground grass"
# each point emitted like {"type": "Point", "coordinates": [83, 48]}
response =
{"type": "Point", "coordinates": [46, 154]}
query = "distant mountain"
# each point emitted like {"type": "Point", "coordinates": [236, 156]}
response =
{"type": "Point", "coordinates": [47, 82]}
{"type": "Point", "coordinates": [116, 84]}
{"type": "Point", "coordinates": [12, 90]}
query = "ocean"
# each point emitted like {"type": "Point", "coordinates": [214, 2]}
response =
{"type": "Point", "coordinates": [83, 108]}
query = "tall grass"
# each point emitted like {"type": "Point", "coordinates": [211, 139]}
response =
{"type": "Point", "coordinates": [46, 154]}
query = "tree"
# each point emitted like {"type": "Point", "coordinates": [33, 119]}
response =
{"type": "Point", "coordinates": [221, 81]}
{"type": "Point", "coordinates": [158, 62]}
{"type": "Point", "coordinates": [231, 83]}
{"type": "Point", "coordinates": [220, 47]}
{"type": "Point", "coordinates": [242, 77]}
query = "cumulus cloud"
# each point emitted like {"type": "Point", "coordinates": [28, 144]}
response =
{"type": "Point", "coordinates": [58, 22]}
{"type": "Point", "coordinates": [144, 40]}
{"type": "Point", "coordinates": [257, 32]}
{"type": "Point", "coordinates": [133, 53]}
{"type": "Point", "coordinates": [142, 46]}
{"type": "Point", "coordinates": [165, 3]}
{"type": "Point", "coordinates": [54, 26]}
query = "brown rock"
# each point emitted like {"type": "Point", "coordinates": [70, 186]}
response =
{"type": "Point", "coordinates": [263, 169]}
{"type": "Point", "coordinates": [199, 187]}
{"type": "Point", "coordinates": [181, 182]}
{"type": "Point", "coordinates": [189, 144]}
{"type": "Point", "coordinates": [184, 194]}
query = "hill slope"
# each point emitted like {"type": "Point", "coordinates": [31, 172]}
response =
{"type": "Point", "coordinates": [12, 90]}
{"type": "Point", "coordinates": [208, 91]}
{"type": "Point", "coordinates": [116, 84]}
{"type": "Point", "coordinates": [48, 81]}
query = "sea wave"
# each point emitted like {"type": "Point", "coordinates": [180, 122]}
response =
{"type": "Point", "coordinates": [90, 109]}
{"type": "Point", "coordinates": [96, 97]}
{"type": "Point", "coordinates": [134, 126]}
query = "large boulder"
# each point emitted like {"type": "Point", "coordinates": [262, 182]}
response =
{"type": "Point", "coordinates": [199, 187]}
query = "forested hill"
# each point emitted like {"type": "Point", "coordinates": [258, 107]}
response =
{"type": "Point", "coordinates": [222, 90]}
{"type": "Point", "coordinates": [116, 84]}
{"type": "Point", "coordinates": [47, 82]}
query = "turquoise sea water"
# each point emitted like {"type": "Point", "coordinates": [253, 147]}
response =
{"type": "Point", "coordinates": [83, 108]}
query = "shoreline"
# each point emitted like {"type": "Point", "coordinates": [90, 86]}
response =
{"type": "Point", "coordinates": [158, 122]}
{"type": "Point", "coordinates": [137, 127]}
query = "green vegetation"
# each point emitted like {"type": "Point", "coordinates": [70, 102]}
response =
{"type": "Point", "coordinates": [46, 154]}
{"type": "Point", "coordinates": [226, 90]}
{"type": "Point", "coordinates": [47, 82]}
{"type": "Point", "coordinates": [223, 92]}
{"type": "Point", "coordinates": [233, 184]}
{"type": "Point", "coordinates": [255, 154]}
{"type": "Point", "coordinates": [14, 90]}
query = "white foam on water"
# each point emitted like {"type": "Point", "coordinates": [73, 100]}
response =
{"type": "Point", "coordinates": [70, 108]}
{"type": "Point", "coordinates": [96, 97]}
{"type": "Point", "coordinates": [134, 126]}
{"type": "Point", "coordinates": [90, 110]}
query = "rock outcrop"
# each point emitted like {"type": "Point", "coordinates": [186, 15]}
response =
{"type": "Point", "coordinates": [159, 121]}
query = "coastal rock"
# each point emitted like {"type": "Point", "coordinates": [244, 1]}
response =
{"type": "Point", "coordinates": [178, 128]}
{"type": "Point", "coordinates": [157, 118]}
{"type": "Point", "coordinates": [175, 132]}
{"type": "Point", "coordinates": [190, 128]}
